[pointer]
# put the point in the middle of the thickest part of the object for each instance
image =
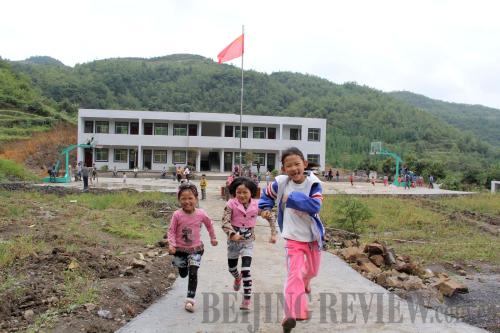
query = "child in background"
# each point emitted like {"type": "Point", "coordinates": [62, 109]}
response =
{"type": "Point", "coordinates": [124, 178]}
{"type": "Point", "coordinates": [238, 222]}
{"type": "Point", "coordinates": [203, 187]}
{"type": "Point", "coordinates": [299, 197]}
{"type": "Point", "coordinates": [184, 238]}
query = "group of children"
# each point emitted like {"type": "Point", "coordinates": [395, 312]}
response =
{"type": "Point", "coordinates": [298, 195]}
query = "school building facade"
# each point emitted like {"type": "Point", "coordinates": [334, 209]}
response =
{"type": "Point", "coordinates": [152, 140]}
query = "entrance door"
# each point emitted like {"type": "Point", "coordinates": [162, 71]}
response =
{"type": "Point", "coordinates": [132, 158]}
{"type": "Point", "coordinates": [271, 161]}
{"type": "Point", "coordinates": [214, 161]}
{"type": "Point", "coordinates": [228, 162]}
{"type": "Point", "coordinates": [146, 157]}
{"type": "Point", "coordinates": [88, 160]}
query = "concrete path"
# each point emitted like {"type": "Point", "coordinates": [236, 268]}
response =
{"type": "Point", "coordinates": [168, 185]}
{"type": "Point", "coordinates": [341, 301]}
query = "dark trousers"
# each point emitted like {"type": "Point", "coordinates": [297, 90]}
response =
{"type": "Point", "coordinates": [85, 183]}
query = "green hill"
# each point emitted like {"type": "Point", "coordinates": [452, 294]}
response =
{"type": "Point", "coordinates": [356, 114]}
{"type": "Point", "coordinates": [482, 121]}
{"type": "Point", "coordinates": [23, 108]}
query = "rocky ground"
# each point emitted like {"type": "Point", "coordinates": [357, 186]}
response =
{"type": "Point", "coordinates": [465, 291]}
{"type": "Point", "coordinates": [42, 291]}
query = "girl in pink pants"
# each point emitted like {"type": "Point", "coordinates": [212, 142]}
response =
{"type": "Point", "coordinates": [299, 197]}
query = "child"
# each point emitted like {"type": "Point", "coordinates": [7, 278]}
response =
{"type": "Point", "coordinates": [124, 178]}
{"type": "Point", "coordinates": [184, 238]}
{"type": "Point", "coordinates": [299, 197]}
{"type": "Point", "coordinates": [203, 186]}
{"type": "Point", "coordinates": [238, 222]}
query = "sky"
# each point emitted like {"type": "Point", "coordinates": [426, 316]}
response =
{"type": "Point", "coordinates": [447, 50]}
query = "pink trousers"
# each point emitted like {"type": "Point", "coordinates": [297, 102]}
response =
{"type": "Point", "coordinates": [303, 261]}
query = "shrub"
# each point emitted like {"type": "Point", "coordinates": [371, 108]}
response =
{"type": "Point", "coordinates": [352, 214]}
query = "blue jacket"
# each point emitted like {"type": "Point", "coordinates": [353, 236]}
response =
{"type": "Point", "coordinates": [297, 200]}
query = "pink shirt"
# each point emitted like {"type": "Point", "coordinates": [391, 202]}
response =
{"type": "Point", "coordinates": [184, 230]}
{"type": "Point", "coordinates": [241, 216]}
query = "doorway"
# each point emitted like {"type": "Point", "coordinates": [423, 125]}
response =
{"type": "Point", "coordinates": [132, 158]}
{"type": "Point", "coordinates": [228, 162]}
{"type": "Point", "coordinates": [271, 161]}
{"type": "Point", "coordinates": [88, 158]}
{"type": "Point", "coordinates": [147, 159]}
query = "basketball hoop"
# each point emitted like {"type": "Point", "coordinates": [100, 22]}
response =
{"type": "Point", "coordinates": [375, 147]}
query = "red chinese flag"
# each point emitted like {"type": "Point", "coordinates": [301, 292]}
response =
{"type": "Point", "coordinates": [233, 50]}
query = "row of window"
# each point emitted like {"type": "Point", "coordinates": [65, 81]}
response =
{"type": "Point", "coordinates": [180, 156]}
{"type": "Point", "coordinates": [122, 156]}
{"type": "Point", "coordinates": [230, 131]}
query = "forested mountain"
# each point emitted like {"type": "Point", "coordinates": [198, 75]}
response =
{"type": "Point", "coordinates": [484, 122]}
{"type": "Point", "coordinates": [23, 108]}
{"type": "Point", "coordinates": [356, 114]}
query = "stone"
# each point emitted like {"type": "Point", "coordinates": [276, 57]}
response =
{"type": "Point", "coordinates": [448, 287]}
{"type": "Point", "coordinates": [350, 253]}
{"type": "Point", "coordinates": [140, 256]}
{"type": "Point", "coordinates": [394, 282]}
{"type": "Point", "coordinates": [462, 272]}
{"type": "Point", "coordinates": [28, 315]}
{"type": "Point", "coordinates": [151, 254]}
{"type": "Point", "coordinates": [374, 248]}
{"type": "Point", "coordinates": [136, 263]}
{"type": "Point", "coordinates": [389, 257]}
{"type": "Point", "coordinates": [413, 283]}
{"type": "Point", "coordinates": [171, 276]}
{"type": "Point", "coordinates": [73, 265]}
{"type": "Point", "coordinates": [377, 259]}
{"type": "Point", "coordinates": [89, 307]}
{"type": "Point", "coordinates": [369, 267]}
{"type": "Point", "coordinates": [106, 314]}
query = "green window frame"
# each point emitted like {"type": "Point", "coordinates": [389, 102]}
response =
{"type": "Point", "coordinates": [120, 155]}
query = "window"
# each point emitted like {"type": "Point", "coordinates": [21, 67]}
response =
{"type": "Point", "coordinates": [101, 154]}
{"type": "Point", "coordinates": [180, 129]}
{"type": "Point", "coordinates": [102, 127]}
{"type": "Point", "coordinates": [313, 134]}
{"type": "Point", "coordinates": [89, 127]}
{"type": "Point", "coordinates": [237, 157]}
{"type": "Point", "coordinates": [259, 158]}
{"type": "Point", "coordinates": [121, 127]}
{"type": "Point", "coordinates": [161, 129]}
{"type": "Point", "coordinates": [228, 131]}
{"type": "Point", "coordinates": [271, 133]}
{"type": "Point", "coordinates": [134, 128]}
{"type": "Point", "coordinates": [259, 132]}
{"type": "Point", "coordinates": [120, 155]}
{"type": "Point", "coordinates": [160, 156]}
{"type": "Point", "coordinates": [294, 134]}
{"type": "Point", "coordinates": [179, 157]}
{"type": "Point", "coordinates": [313, 158]}
{"type": "Point", "coordinates": [193, 129]}
{"type": "Point", "coordinates": [237, 132]}
{"type": "Point", "coordinates": [148, 128]}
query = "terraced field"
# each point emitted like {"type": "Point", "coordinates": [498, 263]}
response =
{"type": "Point", "coordinates": [18, 125]}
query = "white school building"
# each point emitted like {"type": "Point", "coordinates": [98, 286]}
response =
{"type": "Point", "coordinates": [152, 140]}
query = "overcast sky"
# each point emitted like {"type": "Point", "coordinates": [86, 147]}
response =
{"type": "Point", "coordinates": [448, 50]}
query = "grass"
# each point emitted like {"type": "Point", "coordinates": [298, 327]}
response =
{"type": "Point", "coordinates": [485, 203]}
{"type": "Point", "coordinates": [19, 248]}
{"type": "Point", "coordinates": [10, 170]}
{"type": "Point", "coordinates": [444, 239]}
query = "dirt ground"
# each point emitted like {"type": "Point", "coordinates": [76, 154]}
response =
{"type": "Point", "coordinates": [124, 290]}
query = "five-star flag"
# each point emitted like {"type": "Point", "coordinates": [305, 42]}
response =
{"type": "Point", "coordinates": [233, 50]}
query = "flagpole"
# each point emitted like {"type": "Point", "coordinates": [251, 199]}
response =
{"type": "Point", "coordinates": [241, 99]}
